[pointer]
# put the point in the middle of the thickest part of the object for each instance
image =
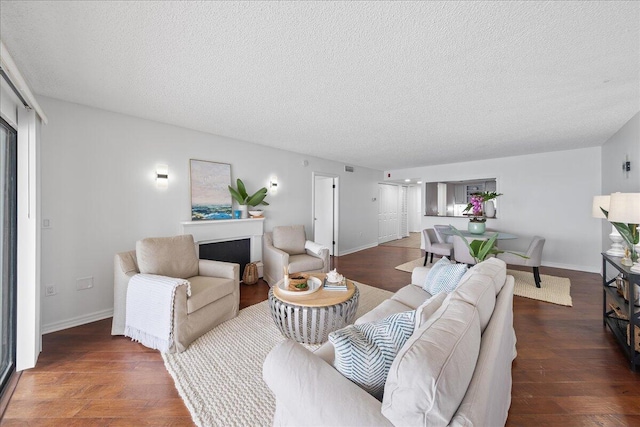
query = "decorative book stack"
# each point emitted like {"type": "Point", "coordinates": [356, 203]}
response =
{"type": "Point", "coordinates": [335, 286]}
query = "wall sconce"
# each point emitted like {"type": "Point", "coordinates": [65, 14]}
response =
{"type": "Point", "coordinates": [162, 176]}
{"type": "Point", "coordinates": [273, 185]}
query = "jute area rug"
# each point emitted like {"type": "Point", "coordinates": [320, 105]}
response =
{"type": "Point", "coordinates": [553, 289]}
{"type": "Point", "coordinates": [219, 376]}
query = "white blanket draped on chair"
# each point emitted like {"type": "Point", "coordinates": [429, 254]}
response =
{"type": "Point", "coordinates": [149, 310]}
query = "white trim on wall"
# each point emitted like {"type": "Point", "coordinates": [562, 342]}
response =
{"type": "Point", "coordinates": [77, 321]}
{"type": "Point", "coordinates": [28, 256]}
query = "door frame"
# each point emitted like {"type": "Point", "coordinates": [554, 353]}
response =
{"type": "Point", "coordinates": [336, 207]}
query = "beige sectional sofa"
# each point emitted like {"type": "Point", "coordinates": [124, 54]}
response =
{"type": "Point", "coordinates": [454, 370]}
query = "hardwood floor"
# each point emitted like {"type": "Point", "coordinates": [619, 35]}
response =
{"type": "Point", "coordinates": [569, 371]}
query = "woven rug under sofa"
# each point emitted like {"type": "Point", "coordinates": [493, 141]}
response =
{"type": "Point", "coordinates": [219, 376]}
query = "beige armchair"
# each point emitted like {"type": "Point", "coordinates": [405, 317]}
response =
{"type": "Point", "coordinates": [287, 246]}
{"type": "Point", "coordinates": [215, 286]}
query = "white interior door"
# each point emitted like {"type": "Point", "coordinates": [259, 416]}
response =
{"type": "Point", "coordinates": [324, 211]}
{"type": "Point", "coordinates": [404, 212]}
{"type": "Point", "coordinates": [387, 213]}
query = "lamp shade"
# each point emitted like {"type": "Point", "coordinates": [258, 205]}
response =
{"type": "Point", "coordinates": [600, 202]}
{"type": "Point", "coordinates": [625, 208]}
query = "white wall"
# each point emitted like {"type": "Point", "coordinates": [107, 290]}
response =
{"type": "Point", "coordinates": [623, 145]}
{"type": "Point", "coordinates": [547, 194]}
{"type": "Point", "coordinates": [99, 192]}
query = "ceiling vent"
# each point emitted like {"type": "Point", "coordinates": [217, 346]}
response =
{"type": "Point", "coordinates": [348, 168]}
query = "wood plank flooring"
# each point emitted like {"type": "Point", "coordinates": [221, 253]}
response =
{"type": "Point", "coordinates": [569, 370]}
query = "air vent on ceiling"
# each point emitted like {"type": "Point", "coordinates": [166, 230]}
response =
{"type": "Point", "coordinates": [348, 168]}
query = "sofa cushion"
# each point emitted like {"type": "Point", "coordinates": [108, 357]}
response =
{"type": "Point", "coordinates": [364, 353]}
{"type": "Point", "coordinates": [299, 263]}
{"type": "Point", "coordinates": [429, 307]}
{"type": "Point", "coordinates": [205, 290]}
{"type": "Point", "coordinates": [494, 268]}
{"type": "Point", "coordinates": [444, 351]}
{"type": "Point", "coordinates": [290, 239]}
{"type": "Point", "coordinates": [411, 296]}
{"type": "Point", "coordinates": [168, 256]}
{"type": "Point", "coordinates": [477, 290]}
{"type": "Point", "coordinates": [385, 309]}
{"type": "Point", "coordinates": [443, 276]}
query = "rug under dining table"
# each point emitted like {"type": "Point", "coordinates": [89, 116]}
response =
{"type": "Point", "coordinates": [553, 289]}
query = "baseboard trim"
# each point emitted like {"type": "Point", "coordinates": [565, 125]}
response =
{"type": "Point", "coordinates": [361, 248]}
{"type": "Point", "coordinates": [77, 321]}
{"type": "Point", "coordinates": [585, 268]}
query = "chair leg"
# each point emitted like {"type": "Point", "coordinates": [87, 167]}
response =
{"type": "Point", "coordinates": [431, 257]}
{"type": "Point", "coordinates": [426, 255]}
{"type": "Point", "coordinates": [536, 276]}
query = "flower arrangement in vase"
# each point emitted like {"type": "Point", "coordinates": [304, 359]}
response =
{"type": "Point", "coordinates": [476, 204]}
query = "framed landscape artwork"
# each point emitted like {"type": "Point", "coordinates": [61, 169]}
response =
{"type": "Point", "coordinates": [210, 197]}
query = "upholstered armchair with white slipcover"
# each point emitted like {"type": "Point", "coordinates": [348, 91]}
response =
{"type": "Point", "coordinates": [215, 286]}
{"type": "Point", "coordinates": [287, 246]}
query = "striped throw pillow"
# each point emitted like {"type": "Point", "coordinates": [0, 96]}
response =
{"type": "Point", "coordinates": [443, 276]}
{"type": "Point", "coordinates": [364, 353]}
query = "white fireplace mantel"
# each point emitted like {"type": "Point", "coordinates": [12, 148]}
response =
{"type": "Point", "coordinates": [224, 230]}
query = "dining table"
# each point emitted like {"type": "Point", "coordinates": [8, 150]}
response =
{"type": "Point", "coordinates": [484, 236]}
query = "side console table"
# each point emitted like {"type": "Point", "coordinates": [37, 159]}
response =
{"type": "Point", "coordinates": [618, 324]}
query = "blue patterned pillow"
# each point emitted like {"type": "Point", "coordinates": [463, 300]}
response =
{"type": "Point", "coordinates": [364, 353]}
{"type": "Point", "coordinates": [443, 276]}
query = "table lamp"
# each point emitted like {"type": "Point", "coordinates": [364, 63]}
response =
{"type": "Point", "coordinates": [625, 208]}
{"type": "Point", "coordinates": [616, 249]}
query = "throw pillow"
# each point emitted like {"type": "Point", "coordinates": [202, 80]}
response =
{"type": "Point", "coordinates": [443, 276]}
{"type": "Point", "coordinates": [430, 306]}
{"type": "Point", "coordinates": [364, 353]}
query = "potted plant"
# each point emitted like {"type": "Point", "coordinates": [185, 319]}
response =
{"type": "Point", "coordinates": [243, 198]}
{"type": "Point", "coordinates": [481, 249]}
{"type": "Point", "coordinates": [477, 208]}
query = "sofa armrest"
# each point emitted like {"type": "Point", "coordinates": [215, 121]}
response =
{"type": "Point", "coordinates": [418, 275]}
{"type": "Point", "coordinates": [226, 270]}
{"type": "Point", "coordinates": [295, 375]}
{"type": "Point", "coordinates": [319, 251]}
{"type": "Point", "coordinates": [124, 268]}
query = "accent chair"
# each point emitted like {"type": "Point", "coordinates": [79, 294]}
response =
{"type": "Point", "coordinates": [287, 246]}
{"type": "Point", "coordinates": [215, 286]}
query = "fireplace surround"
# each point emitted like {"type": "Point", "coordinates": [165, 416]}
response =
{"type": "Point", "coordinates": [228, 230]}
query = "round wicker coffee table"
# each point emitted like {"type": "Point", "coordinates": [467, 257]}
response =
{"type": "Point", "coordinates": [310, 318]}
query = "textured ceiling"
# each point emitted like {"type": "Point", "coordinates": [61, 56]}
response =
{"type": "Point", "coordinates": [379, 84]}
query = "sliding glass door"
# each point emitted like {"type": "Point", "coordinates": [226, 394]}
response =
{"type": "Point", "coordinates": [8, 246]}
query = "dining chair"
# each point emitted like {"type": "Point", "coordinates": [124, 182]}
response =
{"type": "Point", "coordinates": [461, 251]}
{"type": "Point", "coordinates": [440, 231]}
{"type": "Point", "coordinates": [533, 254]}
{"type": "Point", "coordinates": [432, 246]}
